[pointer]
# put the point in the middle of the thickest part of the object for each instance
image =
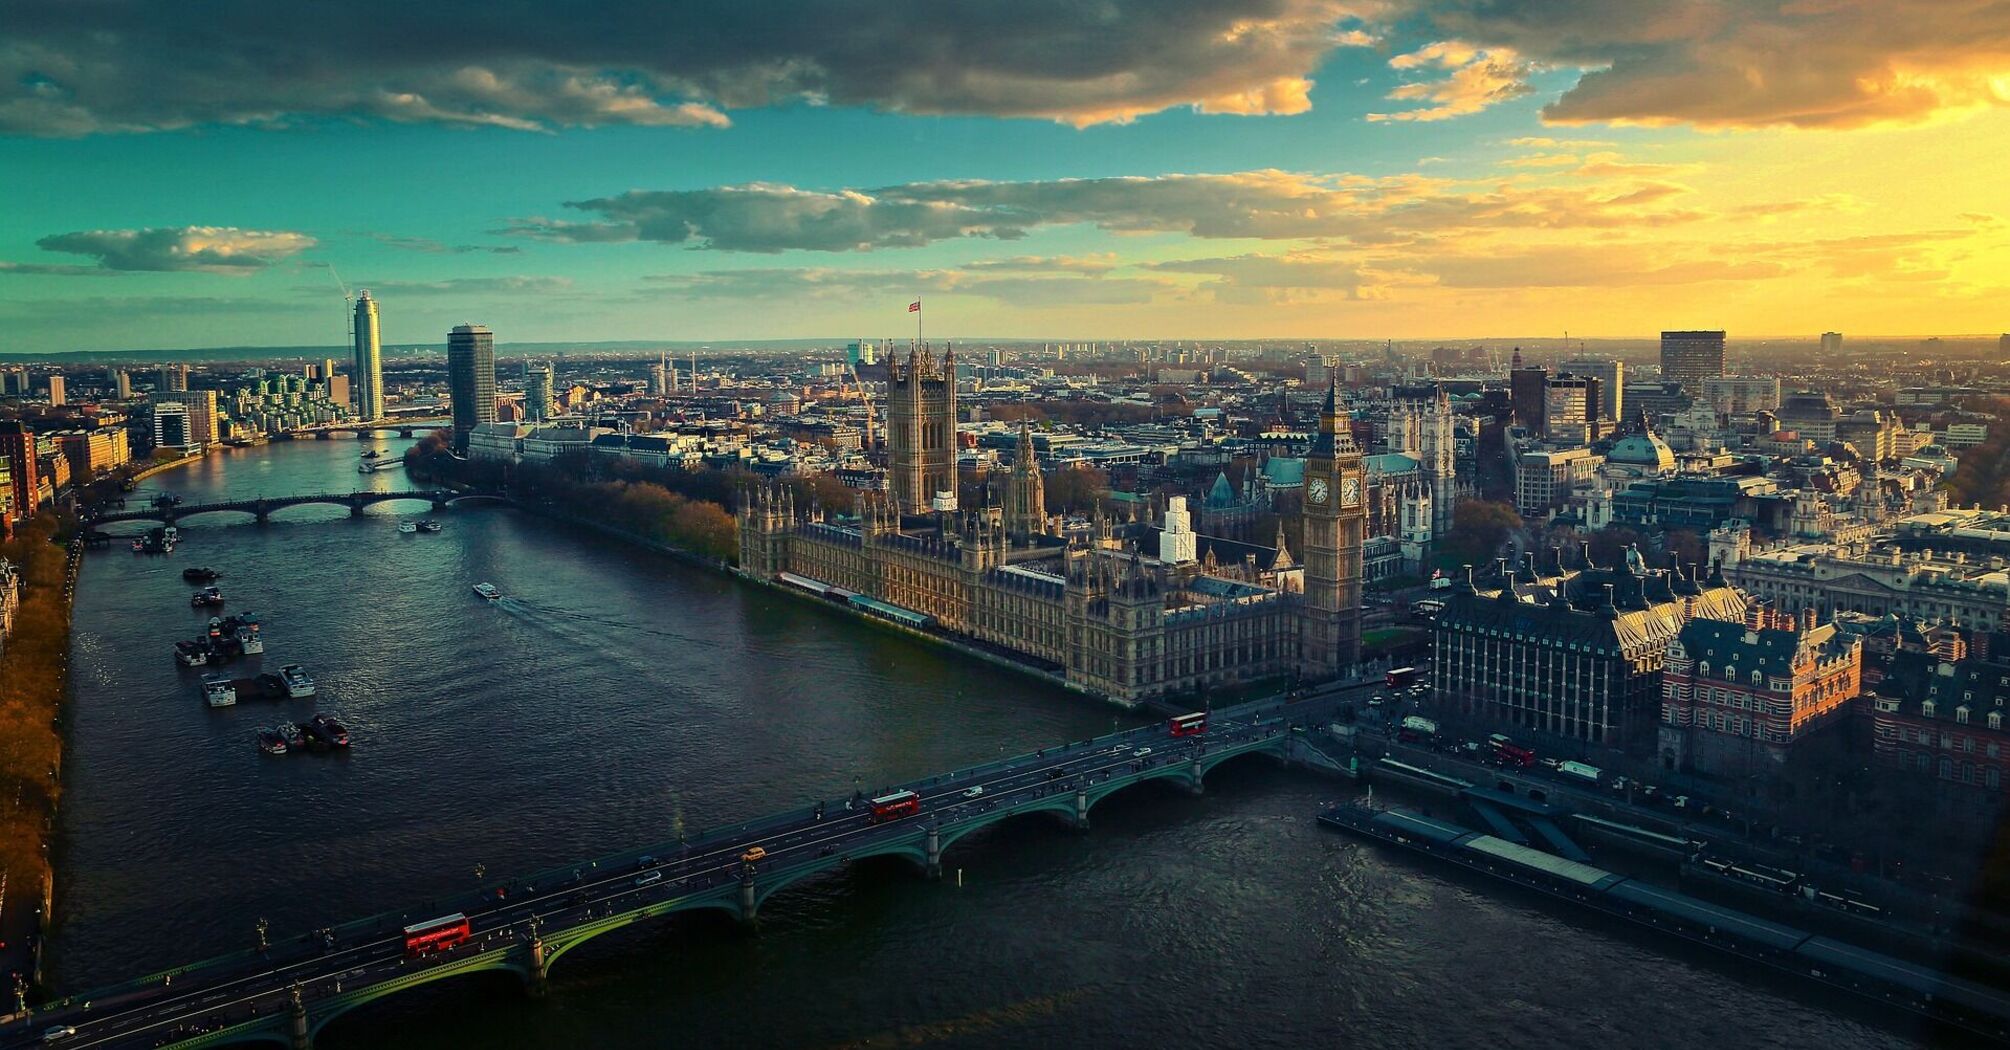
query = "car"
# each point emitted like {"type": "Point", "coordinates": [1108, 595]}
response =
{"type": "Point", "coordinates": [756, 853]}
{"type": "Point", "coordinates": [1548, 763]}
{"type": "Point", "coordinates": [1140, 752]}
{"type": "Point", "coordinates": [59, 1033]}
{"type": "Point", "coordinates": [1376, 700]}
{"type": "Point", "coordinates": [648, 877]}
{"type": "Point", "coordinates": [976, 792]}
{"type": "Point", "coordinates": [1680, 802]}
{"type": "Point", "coordinates": [645, 862]}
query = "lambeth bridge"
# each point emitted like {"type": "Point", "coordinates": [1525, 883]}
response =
{"type": "Point", "coordinates": [287, 992]}
{"type": "Point", "coordinates": [261, 507]}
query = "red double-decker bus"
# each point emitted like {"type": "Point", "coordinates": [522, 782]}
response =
{"type": "Point", "coordinates": [437, 934]}
{"type": "Point", "coordinates": [1189, 725]}
{"type": "Point", "coordinates": [895, 806]}
{"type": "Point", "coordinates": [1400, 677]}
{"type": "Point", "coordinates": [1514, 755]}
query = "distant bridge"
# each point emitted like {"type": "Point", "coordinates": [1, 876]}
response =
{"type": "Point", "coordinates": [404, 428]}
{"type": "Point", "coordinates": [288, 993]}
{"type": "Point", "coordinates": [261, 507]}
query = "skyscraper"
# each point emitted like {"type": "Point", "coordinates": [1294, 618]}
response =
{"type": "Point", "coordinates": [122, 384]}
{"type": "Point", "coordinates": [471, 378]}
{"type": "Point", "coordinates": [1689, 358]}
{"type": "Point", "coordinates": [1335, 519]}
{"type": "Point", "coordinates": [1611, 376]}
{"type": "Point", "coordinates": [173, 377]}
{"type": "Point", "coordinates": [17, 447]}
{"type": "Point", "coordinates": [1831, 343]}
{"type": "Point", "coordinates": [537, 392]}
{"type": "Point", "coordinates": [57, 392]}
{"type": "Point", "coordinates": [368, 376]}
{"type": "Point", "coordinates": [1527, 392]}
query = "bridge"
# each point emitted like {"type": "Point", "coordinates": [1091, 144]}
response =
{"type": "Point", "coordinates": [404, 428]}
{"type": "Point", "coordinates": [286, 993]}
{"type": "Point", "coordinates": [261, 507]}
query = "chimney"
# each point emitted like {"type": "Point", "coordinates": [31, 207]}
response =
{"type": "Point", "coordinates": [1755, 616]}
{"type": "Point", "coordinates": [1809, 619]}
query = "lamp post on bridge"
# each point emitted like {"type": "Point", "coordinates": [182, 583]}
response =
{"type": "Point", "coordinates": [264, 927]}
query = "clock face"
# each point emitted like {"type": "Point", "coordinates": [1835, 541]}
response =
{"type": "Point", "coordinates": [1350, 491]}
{"type": "Point", "coordinates": [1316, 490]}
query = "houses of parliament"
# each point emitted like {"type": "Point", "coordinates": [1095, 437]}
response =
{"type": "Point", "coordinates": [1126, 612]}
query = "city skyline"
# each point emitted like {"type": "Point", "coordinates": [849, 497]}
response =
{"type": "Point", "coordinates": [1304, 170]}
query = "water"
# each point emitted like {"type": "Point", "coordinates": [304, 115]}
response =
{"type": "Point", "coordinates": [616, 698]}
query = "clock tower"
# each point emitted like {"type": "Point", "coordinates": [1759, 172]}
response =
{"type": "Point", "coordinates": [1336, 520]}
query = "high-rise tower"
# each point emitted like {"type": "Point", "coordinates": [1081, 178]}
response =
{"type": "Point", "coordinates": [471, 378]}
{"type": "Point", "coordinates": [368, 381]}
{"type": "Point", "coordinates": [1336, 519]}
{"type": "Point", "coordinates": [920, 429]}
{"type": "Point", "coordinates": [1689, 358]}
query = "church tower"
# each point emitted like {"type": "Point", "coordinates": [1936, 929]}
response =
{"type": "Point", "coordinates": [1335, 518]}
{"type": "Point", "coordinates": [920, 429]}
{"type": "Point", "coordinates": [1025, 493]}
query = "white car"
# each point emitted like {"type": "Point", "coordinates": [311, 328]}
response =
{"type": "Point", "coordinates": [59, 1033]}
{"type": "Point", "coordinates": [1140, 752]}
{"type": "Point", "coordinates": [976, 792]}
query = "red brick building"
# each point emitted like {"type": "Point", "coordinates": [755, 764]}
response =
{"type": "Point", "coordinates": [17, 445]}
{"type": "Point", "coordinates": [1737, 697]}
{"type": "Point", "coordinates": [1944, 720]}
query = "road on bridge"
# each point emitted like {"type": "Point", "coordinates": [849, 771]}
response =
{"type": "Point", "coordinates": [259, 988]}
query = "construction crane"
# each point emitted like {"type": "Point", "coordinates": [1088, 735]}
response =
{"type": "Point", "coordinates": [866, 399]}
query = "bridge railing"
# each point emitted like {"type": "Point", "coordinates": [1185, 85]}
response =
{"type": "Point", "coordinates": [472, 901]}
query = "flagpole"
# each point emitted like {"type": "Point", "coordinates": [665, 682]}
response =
{"type": "Point", "coordinates": [917, 324]}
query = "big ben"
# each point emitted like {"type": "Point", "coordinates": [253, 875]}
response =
{"type": "Point", "coordinates": [1336, 518]}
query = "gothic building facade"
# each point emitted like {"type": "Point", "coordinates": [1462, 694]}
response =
{"type": "Point", "coordinates": [921, 430]}
{"type": "Point", "coordinates": [1097, 611]}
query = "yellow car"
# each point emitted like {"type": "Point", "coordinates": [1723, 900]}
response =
{"type": "Point", "coordinates": [752, 855]}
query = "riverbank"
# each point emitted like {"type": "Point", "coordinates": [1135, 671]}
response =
{"type": "Point", "coordinates": [34, 685]}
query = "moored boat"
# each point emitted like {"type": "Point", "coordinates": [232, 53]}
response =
{"type": "Point", "coordinates": [191, 654]}
{"type": "Point", "coordinates": [298, 683]}
{"type": "Point", "coordinates": [218, 690]}
{"type": "Point", "coordinates": [295, 737]}
{"type": "Point", "coordinates": [325, 729]}
{"type": "Point", "coordinates": [271, 742]}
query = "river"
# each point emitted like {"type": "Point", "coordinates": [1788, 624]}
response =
{"type": "Point", "coordinates": [616, 697]}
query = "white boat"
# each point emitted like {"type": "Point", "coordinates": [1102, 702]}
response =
{"type": "Point", "coordinates": [189, 654]}
{"type": "Point", "coordinates": [218, 691]}
{"type": "Point", "coordinates": [408, 526]}
{"type": "Point", "coordinates": [248, 640]}
{"type": "Point", "coordinates": [298, 684]}
{"type": "Point", "coordinates": [488, 591]}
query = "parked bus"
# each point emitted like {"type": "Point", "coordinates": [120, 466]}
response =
{"type": "Point", "coordinates": [437, 935]}
{"type": "Point", "coordinates": [895, 806]}
{"type": "Point", "coordinates": [1400, 677]}
{"type": "Point", "coordinates": [1189, 725]}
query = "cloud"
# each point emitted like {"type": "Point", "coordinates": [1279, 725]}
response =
{"type": "Point", "coordinates": [1585, 267]}
{"type": "Point", "coordinates": [1286, 278]}
{"type": "Point", "coordinates": [1098, 263]}
{"type": "Point", "coordinates": [72, 69]}
{"type": "Point", "coordinates": [433, 247]}
{"type": "Point", "coordinates": [473, 286]}
{"type": "Point", "coordinates": [849, 286]}
{"type": "Point", "coordinates": [1750, 63]}
{"type": "Point", "coordinates": [57, 270]}
{"type": "Point", "coordinates": [1477, 78]}
{"type": "Point", "coordinates": [209, 249]}
{"type": "Point", "coordinates": [1268, 204]}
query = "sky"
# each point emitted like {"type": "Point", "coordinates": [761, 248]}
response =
{"type": "Point", "coordinates": [1042, 169]}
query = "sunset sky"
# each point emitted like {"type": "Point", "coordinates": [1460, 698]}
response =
{"type": "Point", "coordinates": [1403, 169]}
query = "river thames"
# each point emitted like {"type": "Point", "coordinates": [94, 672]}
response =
{"type": "Point", "coordinates": [617, 697]}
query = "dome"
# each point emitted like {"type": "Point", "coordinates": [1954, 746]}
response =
{"type": "Point", "coordinates": [1647, 450]}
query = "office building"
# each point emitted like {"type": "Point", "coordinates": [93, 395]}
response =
{"type": "Point", "coordinates": [1544, 481]}
{"type": "Point", "coordinates": [1611, 375]}
{"type": "Point", "coordinates": [200, 406]}
{"type": "Point", "coordinates": [858, 352]}
{"type": "Point", "coordinates": [1737, 697]}
{"type": "Point", "coordinates": [537, 404]}
{"type": "Point", "coordinates": [92, 452]}
{"type": "Point", "coordinates": [1572, 653]}
{"type": "Point", "coordinates": [367, 369]}
{"type": "Point", "coordinates": [17, 447]}
{"type": "Point", "coordinates": [1689, 358]}
{"type": "Point", "coordinates": [471, 378]}
{"type": "Point", "coordinates": [1570, 407]}
{"type": "Point", "coordinates": [1831, 344]}
{"type": "Point", "coordinates": [1742, 395]}
{"type": "Point", "coordinates": [1527, 391]}
{"type": "Point", "coordinates": [171, 426]}
{"type": "Point", "coordinates": [58, 394]}
{"type": "Point", "coordinates": [172, 378]}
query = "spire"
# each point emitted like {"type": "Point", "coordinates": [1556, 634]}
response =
{"type": "Point", "coordinates": [1283, 560]}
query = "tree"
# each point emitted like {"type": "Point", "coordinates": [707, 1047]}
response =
{"type": "Point", "coordinates": [1479, 529]}
{"type": "Point", "coordinates": [1075, 489]}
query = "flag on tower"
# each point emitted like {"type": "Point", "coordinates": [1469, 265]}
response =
{"type": "Point", "coordinates": [914, 307]}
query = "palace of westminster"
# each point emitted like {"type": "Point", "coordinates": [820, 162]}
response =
{"type": "Point", "coordinates": [1097, 610]}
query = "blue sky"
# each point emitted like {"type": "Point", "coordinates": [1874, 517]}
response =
{"type": "Point", "coordinates": [1612, 191]}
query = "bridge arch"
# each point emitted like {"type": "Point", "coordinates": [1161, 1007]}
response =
{"type": "Point", "coordinates": [915, 850]}
{"type": "Point", "coordinates": [326, 1010]}
{"type": "Point", "coordinates": [1062, 803]}
{"type": "Point", "coordinates": [725, 899]}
